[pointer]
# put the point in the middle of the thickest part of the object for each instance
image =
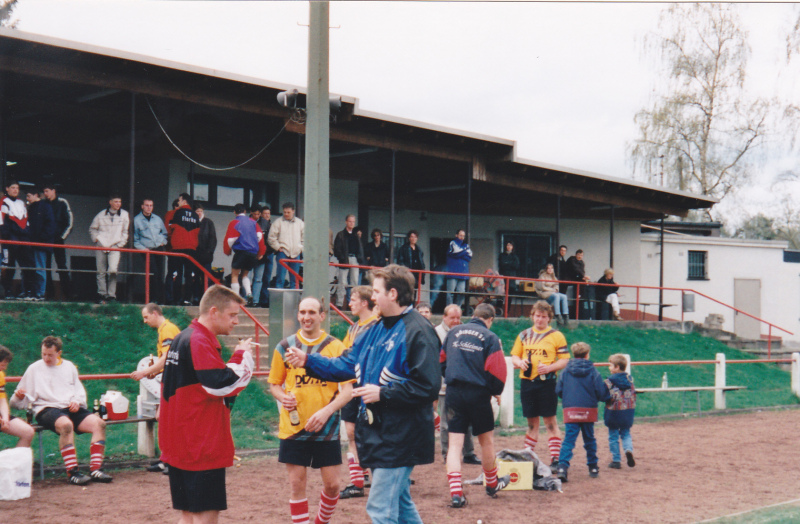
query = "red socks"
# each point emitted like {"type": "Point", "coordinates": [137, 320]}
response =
{"type": "Point", "coordinates": [455, 483]}
{"type": "Point", "coordinates": [97, 450]}
{"type": "Point", "coordinates": [70, 459]}
{"type": "Point", "coordinates": [327, 505]}
{"type": "Point", "coordinates": [555, 447]}
{"type": "Point", "coordinates": [530, 443]}
{"type": "Point", "coordinates": [491, 477]}
{"type": "Point", "coordinates": [299, 510]}
{"type": "Point", "coordinates": [356, 472]}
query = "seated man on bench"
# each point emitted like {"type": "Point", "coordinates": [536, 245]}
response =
{"type": "Point", "coordinates": [59, 402]}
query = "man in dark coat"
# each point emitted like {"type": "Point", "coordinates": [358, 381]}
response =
{"type": "Point", "coordinates": [42, 229]}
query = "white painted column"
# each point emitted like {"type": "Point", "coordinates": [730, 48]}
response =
{"type": "Point", "coordinates": [719, 381]}
{"type": "Point", "coordinates": [507, 397]}
{"type": "Point", "coordinates": [796, 374]}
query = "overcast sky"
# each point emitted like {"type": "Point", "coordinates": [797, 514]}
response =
{"type": "Point", "coordinates": [562, 79]}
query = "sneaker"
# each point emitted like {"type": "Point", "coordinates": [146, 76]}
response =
{"type": "Point", "coordinates": [78, 478]}
{"type": "Point", "coordinates": [351, 491]}
{"type": "Point", "coordinates": [458, 501]}
{"type": "Point", "coordinates": [502, 482]}
{"type": "Point", "coordinates": [38, 299]}
{"type": "Point", "coordinates": [156, 467]}
{"type": "Point", "coordinates": [99, 476]}
{"type": "Point", "coordinates": [472, 459]}
{"type": "Point", "coordinates": [615, 465]}
{"type": "Point", "coordinates": [594, 471]}
{"type": "Point", "coordinates": [629, 456]}
{"type": "Point", "coordinates": [562, 474]}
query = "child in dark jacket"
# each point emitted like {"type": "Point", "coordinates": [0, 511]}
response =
{"type": "Point", "coordinates": [620, 411]}
{"type": "Point", "coordinates": [580, 387]}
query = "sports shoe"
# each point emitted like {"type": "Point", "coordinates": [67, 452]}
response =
{"type": "Point", "coordinates": [78, 478]}
{"type": "Point", "coordinates": [367, 482]}
{"type": "Point", "coordinates": [615, 465]}
{"type": "Point", "coordinates": [502, 482]}
{"type": "Point", "coordinates": [562, 474]}
{"type": "Point", "coordinates": [594, 471]}
{"type": "Point", "coordinates": [472, 459]}
{"type": "Point", "coordinates": [249, 300]}
{"type": "Point", "coordinates": [458, 501]}
{"type": "Point", "coordinates": [156, 467]}
{"type": "Point", "coordinates": [99, 476]}
{"type": "Point", "coordinates": [629, 456]}
{"type": "Point", "coordinates": [351, 492]}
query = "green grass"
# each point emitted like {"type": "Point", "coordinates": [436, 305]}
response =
{"type": "Point", "coordinates": [789, 512]}
{"type": "Point", "coordinates": [112, 339]}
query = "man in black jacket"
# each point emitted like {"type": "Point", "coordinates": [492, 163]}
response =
{"type": "Point", "coordinates": [42, 229]}
{"type": "Point", "coordinates": [348, 249]}
{"type": "Point", "coordinates": [206, 244]}
{"type": "Point", "coordinates": [474, 370]}
{"type": "Point", "coordinates": [560, 266]}
{"type": "Point", "coordinates": [396, 367]}
{"type": "Point", "coordinates": [62, 214]}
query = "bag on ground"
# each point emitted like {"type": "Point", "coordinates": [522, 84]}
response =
{"type": "Point", "coordinates": [16, 473]}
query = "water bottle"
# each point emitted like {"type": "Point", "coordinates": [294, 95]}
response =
{"type": "Point", "coordinates": [664, 382]}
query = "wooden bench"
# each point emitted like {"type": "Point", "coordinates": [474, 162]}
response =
{"type": "Point", "coordinates": [150, 426]}
{"type": "Point", "coordinates": [696, 389]}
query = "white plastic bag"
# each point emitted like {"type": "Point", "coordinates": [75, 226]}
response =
{"type": "Point", "coordinates": [16, 473]}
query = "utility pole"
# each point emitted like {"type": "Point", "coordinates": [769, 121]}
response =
{"type": "Point", "coordinates": [317, 159]}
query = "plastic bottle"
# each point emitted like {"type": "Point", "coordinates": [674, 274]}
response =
{"type": "Point", "coordinates": [294, 416]}
{"type": "Point", "coordinates": [96, 408]}
{"type": "Point", "coordinates": [664, 381]}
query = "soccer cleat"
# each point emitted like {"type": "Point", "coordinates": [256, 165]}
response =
{"type": "Point", "coordinates": [156, 467]}
{"type": "Point", "coordinates": [562, 474]}
{"type": "Point", "coordinates": [594, 471]}
{"type": "Point", "coordinates": [350, 492]}
{"type": "Point", "coordinates": [78, 478]}
{"type": "Point", "coordinates": [99, 476]}
{"type": "Point", "coordinates": [629, 456]}
{"type": "Point", "coordinates": [472, 459]}
{"type": "Point", "coordinates": [554, 465]}
{"type": "Point", "coordinates": [615, 465]}
{"type": "Point", "coordinates": [458, 501]}
{"type": "Point", "coordinates": [502, 482]}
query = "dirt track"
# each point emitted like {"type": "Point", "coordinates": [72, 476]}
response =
{"type": "Point", "coordinates": [687, 470]}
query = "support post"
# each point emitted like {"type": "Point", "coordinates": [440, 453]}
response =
{"type": "Point", "coordinates": [299, 178]}
{"type": "Point", "coordinates": [131, 201]}
{"type": "Point", "coordinates": [317, 187]}
{"type": "Point", "coordinates": [391, 208]}
{"type": "Point", "coordinates": [796, 374]}
{"type": "Point", "coordinates": [611, 241]}
{"type": "Point", "coordinates": [558, 236]}
{"type": "Point", "coordinates": [507, 397]}
{"type": "Point", "coordinates": [661, 275]}
{"type": "Point", "coordinates": [719, 381]}
{"type": "Point", "coordinates": [471, 167]}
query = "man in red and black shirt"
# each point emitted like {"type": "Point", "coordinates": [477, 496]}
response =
{"type": "Point", "coordinates": [183, 229]}
{"type": "Point", "coordinates": [197, 390]}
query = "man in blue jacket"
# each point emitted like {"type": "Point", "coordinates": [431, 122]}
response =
{"type": "Point", "coordinates": [458, 256]}
{"type": "Point", "coordinates": [150, 234]}
{"type": "Point", "coordinates": [396, 367]}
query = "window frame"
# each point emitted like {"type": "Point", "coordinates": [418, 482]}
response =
{"type": "Point", "coordinates": [694, 275]}
{"type": "Point", "coordinates": [250, 189]}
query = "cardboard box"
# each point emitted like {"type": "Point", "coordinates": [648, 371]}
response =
{"type": "Point", "coordinates": [528, 287]}
{"type": "Point", "coordinates": [521, 474]}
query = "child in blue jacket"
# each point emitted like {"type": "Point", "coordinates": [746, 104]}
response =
{"type": "Point", "coordinates": [580, 387]}
{"type": "Point", "coordinates": [620, 411]}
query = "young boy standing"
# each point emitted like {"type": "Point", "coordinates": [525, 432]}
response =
{"type": "Point", "coordinates": [620, 411]}
{"type": "Point", "coordinates": [580, 387]}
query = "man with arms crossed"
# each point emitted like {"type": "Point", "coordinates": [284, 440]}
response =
{"type": "Point", "coordinates": [396, 365]}
{"type": "Point", "coordinates": [309, 423]}
{"type": "Point", "coordinates": [194, 429]}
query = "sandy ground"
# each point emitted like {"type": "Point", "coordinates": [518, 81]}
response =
{"type": "Point", "coordinates": [686, 471]}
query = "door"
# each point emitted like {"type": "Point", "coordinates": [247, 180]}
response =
{"type": "Point", "coordinates": [747, 297]}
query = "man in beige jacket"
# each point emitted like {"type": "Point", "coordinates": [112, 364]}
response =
{"type": "Point", "coordinates": [109, 229]}
{"type": "Point", "coordinates": [286, 238]}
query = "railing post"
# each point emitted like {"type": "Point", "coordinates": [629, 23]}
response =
{"type": "Point", "coordinates": [796, 374]}
{"type": "Point", "coordinates": [577, 301]}
{"type": "Point", "coordinates": [637, 302]}
{"type": "Point", "coordinates": [628, 367]}
{"type": "Point", "coordinates": [507, 397]}
{"type": "Point", "coordinates": [258, 352]}
{"type": "Point", "coordinates": [505, 302]}
{"type": "Point", "coordinates": [683, 309]}
{"type": "Point", "coordinates": [719, 382]}
{"type": "Point", "coordinates": [419, 288]}
{"type": "Point", "coordinates": [147, 276]}
{"type": "Point", "coordinates": [769, 342]}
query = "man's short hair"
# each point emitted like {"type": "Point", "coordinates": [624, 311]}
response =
{"type": "Point", "coordinates": [484, 311]}
{"type": "Point", "coordinates": [365, 293]}
{"type": "Point", "coordinates": [288, 205]}
{"type": "Point", "coordinates": [348, 216]}
{"type": "Point", "coordinates": [452, 307]}
{"type": "Point", "coordinates": [147, 199]}
{"type": "Point", "coordinates": [562, 246]}
{"type": "Point", "coordinates": [580, 349]}
{"type": "Point", "coordinates": [239, 209]}
{"type": "Point", "coordinates": [152, 307]}
{"type": "Point", "coordinates": [578, 252]}
{"type": "Point", "coordinates": [266, 207]}
{"type": "Point", "coordinates": [218, 296]}
{"type": "Point", "coordinates": [460, 230]}
{"type": "Point", "coordinates": [50, 185]}
{"type": "Point", "coordinates": [255, 208]}
{"type": "Point", "coordinates": [5, 354]}
{"type": "Point", "coordinates": [53, 342]}
{"type": "Point", "coordinates": [175, 204]}
{"type": "Point", "coordinates": [186, 198]}
{"type": "Point", "coordinates": [196, 206]}
{"type": "Point", "coordinates": [320, 301]}
{"type": "Point", "coordinates": [32, 190]}
{"type": "Point", "coordinates": [619, 360]}
{"type": "Point", "coordinates": [400, 279]}
{"type": "Point", "coordinates": [376, 230]}
{"type": "Point", "coordinates": [412, 232]}
{"type": "Point", "coordinates": [422, 305]}
{"type": "Point", "coordinates": [12, 183]}
{"type": "Point", "coordinates": [114, 196]}
{"type": "Point", "coordinates": [544, 307]}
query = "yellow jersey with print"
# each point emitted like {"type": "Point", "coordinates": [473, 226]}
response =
{"type": "Point", "coordinates": [2, 384]}
{"type": "Point", "coordinates": [166, 333]}
{"type": "Point", "coordinates": [539, 347]}
{"type": "Point", "coordinates": [358, 329]}
{"type": "Point", "coordinates": [312, 394]}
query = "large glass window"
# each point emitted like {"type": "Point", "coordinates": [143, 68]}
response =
{"type": "Point", "coordinates": [224, 193]}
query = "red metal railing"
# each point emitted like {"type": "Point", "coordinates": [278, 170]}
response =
{"type": "Point", "coordinates": [147, 253]}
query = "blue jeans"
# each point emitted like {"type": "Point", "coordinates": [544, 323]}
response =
{"type": "Point", "coordinates": [559, 303]}
{"type": "Point", "coordinates": [459, 286]}
{"type": "Point", "coordinates": [614, 434]}
{"type": "Point", "coordinates": [261, 275]}
{"type": "Point", "coordinates": [38, 287]}
{"type": "Point", "coordinates": [390, 497]}
{"type": "Point", "coordinates": [280, 272]}
{"type": "Point", "coordinates": [571, 437]}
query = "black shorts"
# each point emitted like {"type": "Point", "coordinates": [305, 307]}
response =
{"type": "Point", "coordinates": [244, 260]}
{"type": "Point", "coordinates": [310, 453]}
{"type": "Point", "coordinates": [468, 406]}
{"type": "Point", "coordinates": [47, 417]}
{"type": "Point", "coordinates": [538, 398]}
{"type": "Point", "coordinates": [197, 491]}
{"type": "Point", "coordinates": [350, 410]}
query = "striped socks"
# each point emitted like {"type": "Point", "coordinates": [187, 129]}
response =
{"type": "Point", "coordinates": [97, 450]}
{"type": "Point", "coordinates": [491, 477]}
{"type": "Point", "coordinates": [299, 510]}
{"type": "Point", "coordinates": [327, 505]}
{"type": "Point", "coordinates": [455, 483]}
{"type": "Point", "coordinates": [69, 456]}
{"type": "Point", "coordinates": [356, 472]}
{"type": "Point", "coordinates": [555, 447]}
{"type": "Point", "coordinates": [530, 443]}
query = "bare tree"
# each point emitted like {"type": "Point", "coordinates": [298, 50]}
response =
{"type": "Point", "coordinates": [6, 9]}
{"type": "Point", "coordinates": [701, 129]}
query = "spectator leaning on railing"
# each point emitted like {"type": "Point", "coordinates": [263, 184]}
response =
{"type": "Point", "coordinates": [150, 234]}
{"type": "Point", "coordinates": [43, 230]}
{"type": "Point", "coordinates": [109, 228]}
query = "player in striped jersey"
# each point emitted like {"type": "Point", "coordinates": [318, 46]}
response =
{"type": "Point", "coordinates": [539, 353]}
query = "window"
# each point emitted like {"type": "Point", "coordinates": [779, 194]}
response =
{"type": "Point", "coordinates": [224, 193]}
{"type": "Point", "coordinates": [698, 266]}
{"type": "Point", "coordinates": [533, 250]}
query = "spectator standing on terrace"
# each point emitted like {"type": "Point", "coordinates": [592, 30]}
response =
{"type": "Point", "coordinates": [43, 230]}
{"type": "Point", "coordinates": [109, 228]}
{"type": "Point", "coordinates": [411, 256]}
{"type": "Point", "coordinates": [183, 229]}
{"type": "Point", "coordinates": [458, 256]}
{"type": "Point", "coordinates": [377, 252]}
{"type": "Point", "coordinates": [576, 268]}
{"type": "Point", "coordinates": [8, 424]}
{"type": "Point", "coordinates": [559, 266]}
{"type": "Point", "coordinates": [150, 234]}
{"type": "Point", "coordinates": [509, 265]}
{"type": "Point", "coordinates": [348, 249]}
{"type": "Point", "coordinates": [245, 240]}
{"type": "Point", "coordinates": [14, 226]}
{"type": "Point", "coordinates": [608, 293]}
{"type": "Point", "coordinates": [52, 387]}
{"type": "Point", "coordinates": [262, 273]}
{"type": "Point", "coordinates": [206, 245]}
{"type": "Point", "coordinates": [286, 239]}
{"type": "Point", "coordinates": [64, 219]}
{"type": "Point", "coordinates": [548, 289]}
